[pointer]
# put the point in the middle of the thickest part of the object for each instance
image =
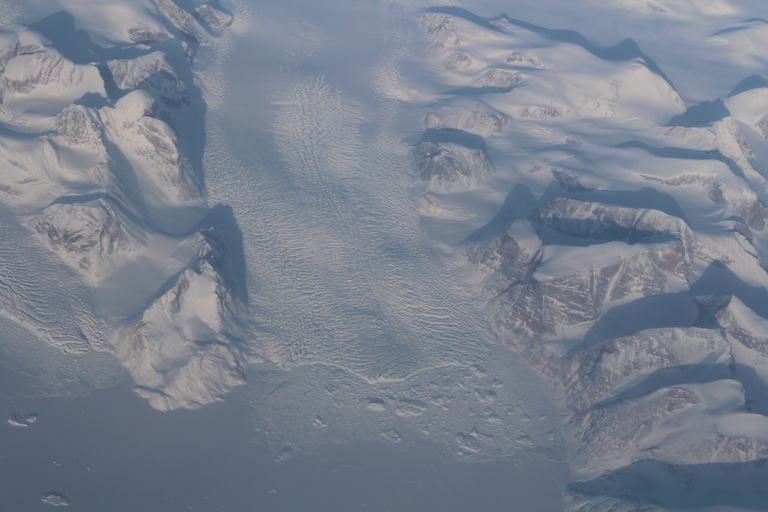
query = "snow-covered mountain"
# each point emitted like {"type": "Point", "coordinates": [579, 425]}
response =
{"type": "Point", "coordinates": [632, 239]}
{"type": "Point", "coordinates": [503, 233]}
{"type": "Point", "coordinates": [92, 166]}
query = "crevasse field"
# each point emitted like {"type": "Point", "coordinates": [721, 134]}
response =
{"type": "Point", "coordinates": [386, 255]}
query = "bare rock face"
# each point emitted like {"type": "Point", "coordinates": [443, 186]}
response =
{"type": "Point", "coordinates": [173, 169]}
{"type": "Point", "coordinates": [481, 120]}
{"type": "Point", "coordinates": [734, 146]}
{"type": "Point", "coordinates": [547, 304]}
{"type": "Point", "coordinates": [25, 42]}
{"type": "Point", "coordinates": [571, 182]}
{"type": "Point", "coordinates": [440, 30]}
{"type": "Point", "coordinates": [523, 59]}
{"type": "Point", "coordinates": [532, 310]}
{"type": "Point", "coordinates": [30, 71]}
{"type": "Point", "coordinates": [585, 220]}
{"type": "Point", "coordinates": [742, 326]}
{"type": "Point", "coordinates": [183, 21]}
{"type": "Point", "coordinates": [79, 127]}
{"type": "Point", "coordinates": [459, 60]}
{"type": "Point", "coordinates": [595, 374]}
{"type": "Point", "coordinates": [711, 182]}
{"type": "Point", "coordinates": [142, 34]}
{"type": "Point", "coordinates": [83, 235]}
{"type": "Point", "coordinates": [608, 295]}
{"type": "Point", "coordinates": [151, 73]}
{"type": "Point", "coordinates": [498, 78]}
{"type": "Point", "coordinates": [107, 189]}
{"type": "Point", "coordinates": [762, 125]}
{"type": "Point", "coordinates": [449, 167]}
{"type": "Point", "coordinates": [152, 148]}
{"type": "Point", "coordinates": [752, 211]}
{"type": "Point", "coordinates": [744, 203]}
{"type": "Point", "coordinates": [507, 260]}
{"type": "Point", "coordinates": [622, 389]}
{"type": "Point", "coordinates": [614, 431]}
{"type": "Point", "coordinates": [214, 17]}
{"type": "Point", "coordinates": [186, 349]}
{"type": "Point", "coordinates": [618, 389]}
{"type": "Point", "coordinates": [535, 112]}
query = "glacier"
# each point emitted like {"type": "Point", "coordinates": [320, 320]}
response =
{"type": "Point", "coordinates": [506, 231]}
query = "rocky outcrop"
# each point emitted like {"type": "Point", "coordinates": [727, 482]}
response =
{"type": "Point", "coordinates": [151, 73]}
{"type": "Point", "coordinates": [152, 149]}
{"type": "Point", "coordinates": [214, 17]}
{"type": "Point", "coordinates": [498, 78]}
{"type": "Point", "coordinates": [24, 42]}
{"type": "Point", "coordinates": [508, 260]}
{"type": "Point", "coordinates": [617, 431]}
{"type": "Point", "coordinates": [599, 222]}
{"type": "Point", "coordinates": [84, 235]}
{"type": "Point", "coordinates": [183, 21]}
{"type": "Point", "coordinates": [439, 29]}
{"type": "Point", "coordinates": [33, 70]}
{"type": "Point", "coordinates": [546, 302]}
{"type": "Point", "coordinates": [80, 127]}
{"type": "Point", "coordinates": [448, 167]}
{"type": "Point", "coordinates": [471, 117]}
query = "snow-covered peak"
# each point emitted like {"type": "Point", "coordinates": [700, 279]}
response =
{"type": "Point", "coordinates": [585, 197]}
{"type": "Point", "coordinates": [46, 77]}
{"type": "Point", "coordinates": [187, 350]}
{"type": "Point", "coordinates": [104, 189]}
{"type": "Point", "coordinates": [134, 106]}
{"type": "Point", "coordinates": [440, 30]}
{"type": "Point", "coordinates": [24, 42]}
